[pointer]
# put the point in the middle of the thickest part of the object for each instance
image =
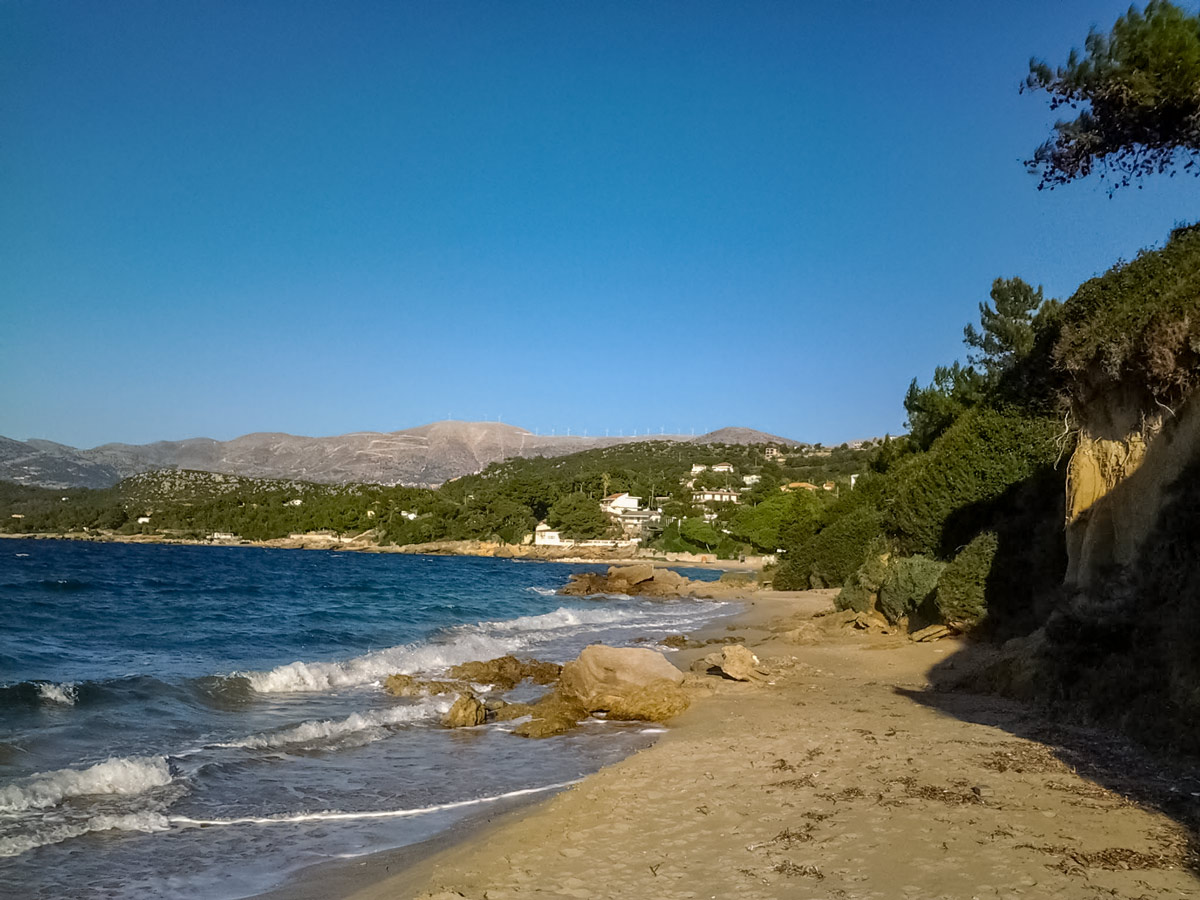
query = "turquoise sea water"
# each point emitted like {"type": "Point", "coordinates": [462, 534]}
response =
{"type": "Point", "coordinates": [201, 721]}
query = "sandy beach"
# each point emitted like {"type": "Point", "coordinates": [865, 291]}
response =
{"type": "Point", "coordinates": [847, 775]}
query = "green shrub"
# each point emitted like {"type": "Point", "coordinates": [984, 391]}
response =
{"type": "Point", "coordinates": [962, 589]}
{"type": "Point", "coordinates": [977, 460]}
{"type": "Point", "coordinates": [835, 552]}
{"type": "Point", "coordinates": [860, 588]}
{"type": "Point", "coordinates": [854, 595]}
{"type": "Point", "coordinates": [909, 583]}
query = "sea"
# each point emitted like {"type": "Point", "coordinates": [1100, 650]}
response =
{"type": "Point", "coordinates": [204, 722]}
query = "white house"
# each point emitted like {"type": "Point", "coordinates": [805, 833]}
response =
{"type": "Point", "coordinates": [749, 480]}
{"type": "Point", "coordinates": [714, 495]}
{"type": "Point", "coordinates": [624, 509]}
{"type": "Point", "coordinates": [723, 467]}
{"type": "Point", "coordinates": [545, 535]}
{"type": "Point", "coordinates": [697, 468]}
{"type": "Point", "coordinates": [614, 504]}
{"type": "Point", "coordinates": [773, 453]}
{"type": "Point", "coordinates": [143, 520]}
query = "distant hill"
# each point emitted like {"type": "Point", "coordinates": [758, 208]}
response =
{"type": "Point", "coordinates": [424, 456]}
{"type": "Point", "coordinates": [732, 435]}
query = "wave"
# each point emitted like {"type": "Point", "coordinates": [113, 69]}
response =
{"type": "Point", "coordinates": [335, 816]}
{"type": "Point", "coordinates": [64, 694]}
{"type": "Point", "coordinates": [544, 591]}
{"type": "Point", "coordinates": [117, 775]}
{"type": "Point", "coordinates": [355, 725]}
{"type": "Point", "coordinates": [146, 822]}
{"type": "Point", "coordinates": [561, 618]}
{"type": "Point", "coordinates": [367, 669]}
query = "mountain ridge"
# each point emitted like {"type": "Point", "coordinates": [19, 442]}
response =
{"type": "Point", "coordinates": [425, 455]}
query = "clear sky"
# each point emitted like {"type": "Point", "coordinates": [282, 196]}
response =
{"type": "Point", "coordinates": [224, 217]}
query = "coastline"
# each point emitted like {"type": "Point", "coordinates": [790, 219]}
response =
{"type": "Point", "coordinates": [848, 775]}
{"type": "Point", "coordinates": [481, 549]}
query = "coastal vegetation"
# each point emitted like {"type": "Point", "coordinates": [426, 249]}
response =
{"type": "Point", "coordinates": [502, 503]}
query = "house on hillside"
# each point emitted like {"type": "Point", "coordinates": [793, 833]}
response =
{"type": "Point", "coordinates": [544, 535]}
{"type": "Point", "coordinates": [751, 480]}
{"type": "Point", "coordinates": [625, 510]}
{"type": "Point", "coordinates": [798, 486]}
{"type": "Point", "coordinates": [773, 453]}
{"type": "Point", "coordinates": [723, 467]}
{"type": "Point", "coordinates": [697, 468]}
{"type": "Point", "coordinates": [714, 495]}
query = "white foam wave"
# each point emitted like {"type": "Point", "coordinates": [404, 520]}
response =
{"type": "Point", "coordinates": [147, 822]}
{"type": "Point", "coordinates": [485, 640]}
{"type": "Point", "coordinates": [545, 592]}
{"type": "Point", "coordinates": [334, 816]}
{"type": "Point", "coordinates": [65, 693]}
{"type": "Point", "coordinates": [356, 724]}
{"type": "Point", "coordinates": [563, 618]}
{"type": "Point", "coordinates": [118, 775]}
{"type": "Point", "coordinates": [407, 659]}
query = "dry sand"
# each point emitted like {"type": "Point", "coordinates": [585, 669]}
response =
{"type": "Point", "coordinates": [846, 777]}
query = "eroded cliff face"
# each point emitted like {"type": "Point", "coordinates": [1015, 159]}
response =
{"type": "Point", "coordinates": [1124, 461]}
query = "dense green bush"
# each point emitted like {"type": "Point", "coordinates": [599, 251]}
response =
{"type": "Point", "coordinates": [962, 588]}
{"type": "Point", "coordinates": [908, 585]}
{"type": "Point", "coordinates": [977, 460]}
{"type": "Point", "coordinates": [834, 553]}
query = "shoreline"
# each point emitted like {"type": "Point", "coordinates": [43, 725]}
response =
{"type": "Point", "coordinates": [406, 869]}
{"type": "Point", "coordinates": [476, 549]}
{"type": "Point", "coordinates": [849, 775]}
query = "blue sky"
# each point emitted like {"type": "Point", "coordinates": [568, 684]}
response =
{"type": "Point", "coordinates": [328, 217]}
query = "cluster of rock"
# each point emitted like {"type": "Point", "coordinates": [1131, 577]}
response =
{"type": "Point", "coordinates": [619, 683]}
{"type": "Point", "coordinates": [645, 580]}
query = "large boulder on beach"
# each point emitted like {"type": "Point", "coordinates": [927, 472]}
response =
{"type": "Point", "coordinates": [466, 712]}
{"type": "Point", "coordinates": [624, 682]}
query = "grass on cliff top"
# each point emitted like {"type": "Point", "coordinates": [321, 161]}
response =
{"type": "Point", "coordinates": [1137, 324]}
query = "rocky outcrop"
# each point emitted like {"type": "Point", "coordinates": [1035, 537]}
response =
{"type": "Point", "coordinates": [552, 714]}
{"type": "Point", "coordinates": [467, 712]}
{"type": "Point", "coordinates": [410, 686]}
{"type": "Point", "coordinates": [648, 581]}
{"type": "Point", "coordinates": [506, 672]}
{"type": "Point", "coordinates": [618, 683]}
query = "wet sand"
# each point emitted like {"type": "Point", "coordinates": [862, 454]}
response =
{"type": "Point", "coordinates": [847, 776]}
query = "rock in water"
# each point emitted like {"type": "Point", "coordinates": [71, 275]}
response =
{"type": "Point", "coordinates": [466, 712]}
{"type": "Point", "coordinates": [631, 575]}
{"type": "Point", "coordinates": [737, 662]}
{"type": "Point", "coordinates": [506, 672]}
